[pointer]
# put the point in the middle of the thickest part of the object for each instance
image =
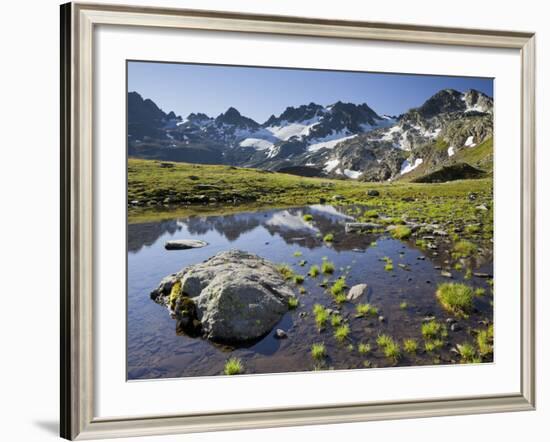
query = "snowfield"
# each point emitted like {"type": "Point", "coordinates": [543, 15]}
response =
{"type": "Point", "coordinates": [353, 174]}
{"type": "Point", "coordinates": [470, 142]}
{"type": "Point", "coordinates": [330, 141]}
{"type": "Point", "coordinates": [256, 143]}
{"type": "Point", "coordinates": [407, 166]}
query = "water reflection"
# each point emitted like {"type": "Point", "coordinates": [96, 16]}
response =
{"type": "Point", "coordinates": [155, 350]}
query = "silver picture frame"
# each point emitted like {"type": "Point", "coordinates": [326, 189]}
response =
{"type": "Point", "coordinates": [78, 21]}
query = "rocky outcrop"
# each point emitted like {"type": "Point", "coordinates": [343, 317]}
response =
{"type": "Point", "coordinates": [234, 296]}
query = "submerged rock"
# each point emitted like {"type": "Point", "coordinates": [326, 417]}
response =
{"type": "Point", "coordinates": [236, 296]}
{"type": "Point", "coordinates": [184, 244]}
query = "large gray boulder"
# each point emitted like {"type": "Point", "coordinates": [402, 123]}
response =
{"type": "Point", "coordinates": [234, 295]}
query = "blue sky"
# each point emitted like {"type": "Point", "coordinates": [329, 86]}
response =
{"type": "Point", "coordinates": [259, 92]}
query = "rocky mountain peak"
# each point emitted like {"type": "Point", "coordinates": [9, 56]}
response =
{"type": "Point", "coordinates": [233, 117]}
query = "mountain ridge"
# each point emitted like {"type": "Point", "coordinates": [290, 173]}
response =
{"type": "Point", "coordinates": [341, 140]}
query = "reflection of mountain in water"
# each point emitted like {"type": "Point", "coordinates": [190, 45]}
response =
{"type": "Point", "coordinates": [146, 234]}
{"type": "Point", "coordinates": [289, 224]}
{"type": "Point", "coordinates": [230, 226]}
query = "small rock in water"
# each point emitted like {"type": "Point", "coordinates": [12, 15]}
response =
{"type": "Point", "coordinates": [446, 274]}
{"type": "Point", "coordinates": [280, 334]}
{"type": "Point", "coordinates": [184, 244]}
{"type": "Point", "coordinates": [482, 275]}
{"type": "Point", "coordinates": [358, 250]}
{"type": "Point", "coordinates": [361, 227]}
{"type": "Point", "coordinates": [356, 292]}
{"type": "Point", "coordinates": [455, 327]}
{"type": "Point", "coordinates": [428, 281]}
{"type": "Point", "coordinates": [437, 267]}
{"type": "Point", "coordinates": [428, 318]}
{"type": "Point", "coordinates": [450, 320]}
{"type": "Point", "coordinates": [302, 314]}
{"type": "Point", "coordinates": [381, 318]}
{"type": "Point", "coordinates": [421, 257]}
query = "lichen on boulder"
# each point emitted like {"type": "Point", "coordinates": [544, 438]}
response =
{"type": "Point", "coordinates": [233, 296]}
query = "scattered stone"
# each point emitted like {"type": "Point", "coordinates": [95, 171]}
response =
{"type": "Point", "coordinates": [421, 258]}
{"type": "Point", "coordinates": [482, 207]}
{"type": "Point", "coordinates": [428, 237]}
{"type": "Point", "coordinates": [373, 192]}
{"type": "Point", "coordinates": [472, 196]}
{"type": "Point", "coordinates": [358, 250]}
{"type": "Point", "coordinates": [455, 327]}
{"type": "Point", "coordinates": [450, 320]}
{"type": "Point", "coordinates": [338, 198]}
{"type": "Point", "coordinates": [437, 267]}
{"type": "Point", "coordinates": [381, 318]}
{"type": "Point", "coordinates": [302, 314]}
{"type": "Point", "coordinates": [446, 274]}
{"type": "Point", "coordinates": [440, 233]}
{"type": "Point", "coordinates": [408, 199]}
{"type": "Point", "coordinates": [404, 266]}
{"type": "Point", "coordinates": [184, 244]}
{"type": "Point", "coordinates": [428, 318]}
{"type": "Point", "coordinates": [166, 165]}
{"type": "Point", "coordinates": [356, 292]}
{"type": "Point", "coordinates": [322, 200]}
{"type": "Point", "coordinates": [428, 281]}
{"type": "Point", "coordinates": [280, 334]}
{"type": "Point", "coordinates": [361, 227]}
{"type": "Point", "coordinates": [482, 275]}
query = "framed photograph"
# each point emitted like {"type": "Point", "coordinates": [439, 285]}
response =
{"type": "Point", "coordinates": [272, 221]}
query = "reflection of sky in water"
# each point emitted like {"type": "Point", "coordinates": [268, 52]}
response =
{"type": "Point", "coordinates": [154, 349]}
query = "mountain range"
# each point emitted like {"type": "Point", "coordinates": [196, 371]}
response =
{"type": "Point", "coordinates": [341, 140]}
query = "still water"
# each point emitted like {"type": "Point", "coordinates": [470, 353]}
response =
{"type": "Point", "coordinates": [155, 350]}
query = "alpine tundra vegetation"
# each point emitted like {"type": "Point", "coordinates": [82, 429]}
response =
{"type": "Point", "coordinates": [321, 235]}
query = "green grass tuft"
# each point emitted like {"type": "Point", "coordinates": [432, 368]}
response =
{"type": "Point", "coordinates": [327, 267]}
{"type": "Point", "coordinates": [456, 298]}
{"type": "Point", "coordinates": [298, 279]}
{"type": "Point", "coordinates": [341, 333]}
{"type": "Point", "coordinates": [401, 232]}
{"type": "Point", "coordinates": [363, 310]}
{"type": "Point", "coordinates": [318, 351]}
{"type": "Point", "coordinates": [329, 237]}
{"type": "Point", "coordinates": [410, 345]}
{"type": "Point", "coordinates": [307, 217]}
{"type": "Point", "coordinates": [314, 271]}
{"type": "Point", "coordinates": [464, 249]}
{"type": "Point", "coordinates": [338, 287]}
{"type": "Point", "coordinates": [293, 303]}
{"type": "Point", "coordinates": [363, 349]}
{"type": "Point", "coordinates": [233, 366]}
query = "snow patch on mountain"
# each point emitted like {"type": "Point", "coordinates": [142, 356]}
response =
{"type": "Point", "coordinates": [470, 141]}
{"type": "Point", "coordinates": [330, 165]}
{"type": "Point", "coordinates": [330, 141]}
{"type": "Point", "coordinates": [407, 166]}
{"type": "Point", "coordinates": [353, 174]}
{"type": "Point", "coordinates": [256, 143]}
